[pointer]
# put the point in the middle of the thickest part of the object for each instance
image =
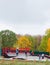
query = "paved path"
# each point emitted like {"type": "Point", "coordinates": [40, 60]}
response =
{"type": "Point", "coordinates": [22, 55]}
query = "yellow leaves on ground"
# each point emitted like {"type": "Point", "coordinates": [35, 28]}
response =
{"type": "Point", "coordinates": [48, 45]}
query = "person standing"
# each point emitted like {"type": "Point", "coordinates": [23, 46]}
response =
{"type": "Point", "coordinates": [39, 56]}
{"type": "Point", "coordinates": [42, 56]}
{"type": "Point", "coordinates": [25, 52]}
{"type": "Point", "coordinates": [17, 51]}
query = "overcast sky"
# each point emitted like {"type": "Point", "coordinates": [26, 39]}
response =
{"type": "Point", "coordinates": [25, 16]}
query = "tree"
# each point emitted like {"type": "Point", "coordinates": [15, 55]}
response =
{"type": "Point", "coordinates": [16, 44]}
{"type": "Point", "coordinates": [37, 42]}
{"type": "Point", "coordinates": [31, 40]}
{"type": "Point", "coordinates": [8, 38]}
{"type": "Point", "coordinates": [48, 39]}
{"type": "Point", "coordinates": [47, 32]}
{"type": "Point", "coordinates": [23, 42]}
{"type": "Point", "coordinates": [43, 45]}
{"type": "Point", "coordinates": [0, 42]}
{"type": "Point", "coordinates": [48, 45]}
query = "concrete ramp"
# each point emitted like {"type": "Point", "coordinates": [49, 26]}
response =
{"type": "Point", "coordinates": [21, 55]}
{"type": "Point", "coordinates": [11, 54]}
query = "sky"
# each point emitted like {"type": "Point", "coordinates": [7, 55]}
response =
{"type": "Point", "coordinates": [25, 16]}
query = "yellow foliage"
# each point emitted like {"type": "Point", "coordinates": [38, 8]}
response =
{"type": "Point", "coordinates": [23, 42]}
{"type": "Point", "coordinates": [16, 44]}
{"type": "Point", "coordinates": [48, 45]}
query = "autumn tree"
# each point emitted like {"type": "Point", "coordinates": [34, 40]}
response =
{"type": "Point", "coordinates": [27, 40]}
{"type": "Point", "coordinates": [15, 45]}
{"type": "Point", "coordinates": [48, 39]}
{"type": "Point", "coordinates": [48, 45]}
{"type": "Point", "coordinates": [23, 42]}
{"type": "Point", "coordinates": [31, 40]}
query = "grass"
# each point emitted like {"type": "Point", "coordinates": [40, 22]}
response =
{"type": "Point", "coordinates": [23, 62]}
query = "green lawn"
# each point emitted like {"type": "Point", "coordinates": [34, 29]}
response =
{"type": "Point", "coordinates": [23, 62]}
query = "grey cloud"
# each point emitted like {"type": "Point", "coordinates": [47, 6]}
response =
{"type": "Point", "coordinates": [24, 11]}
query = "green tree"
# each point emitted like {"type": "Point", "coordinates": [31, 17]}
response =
{"type": "Point", "coordinates": [47, 32]}
{"type": "Point", "coordinates": [0, 41]}
{"type": "Point", "coordinates": [37, 42]}
{"type": "Point", "coordinates": [43, 45]}
{"type": "Point", "coordinates": [8, 38]}
{"type": "Point", "coordinates": [44, 41]}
